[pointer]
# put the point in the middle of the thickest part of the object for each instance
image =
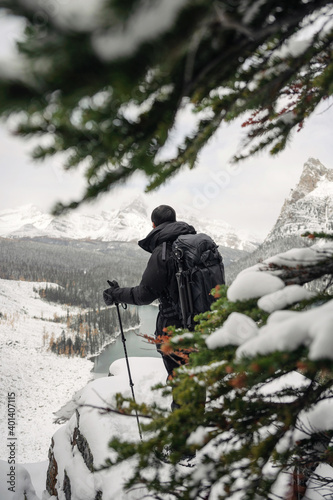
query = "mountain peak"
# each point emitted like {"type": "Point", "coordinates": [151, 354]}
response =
{"type": "Point", "coordinates": [313, 172]}
{"type": "Point", "coordinates": [28, 210]}
{"type": "Point", "coordinates": [309, 205]}
{"type": "Point", "coordinates": [137, 205]}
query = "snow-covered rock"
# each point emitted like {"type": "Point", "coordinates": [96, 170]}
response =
{"type": "Point", "coordinates": [309, 206]}
{"type": "Point", "coordinates": [81, 445]}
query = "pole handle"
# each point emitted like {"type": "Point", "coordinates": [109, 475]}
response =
{"type": "Point", "coordinates": [124, 306]}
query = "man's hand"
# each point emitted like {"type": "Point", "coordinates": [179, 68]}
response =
{"type": "Point", "coordinates": [108, 293]}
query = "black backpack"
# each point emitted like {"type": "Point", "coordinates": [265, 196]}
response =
{"type": "Point", "coordinates": [199, 268]}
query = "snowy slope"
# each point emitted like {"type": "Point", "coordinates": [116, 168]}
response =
{"type": "Point", "coordinates": [28, 215]}
{"type": "Point", "coordinates": [223, 233]}
{"type": "Point", "coordinates": [116, 225]}
{"type": "Point", "coordinates": [42, 381]}
{"type": "Point", "coordinates": [309, 206]}
{"type": "Point", "coordinates": [130, 223]}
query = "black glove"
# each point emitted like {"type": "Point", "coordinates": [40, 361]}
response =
{"type": "Point", "coordinates": [108, 293]}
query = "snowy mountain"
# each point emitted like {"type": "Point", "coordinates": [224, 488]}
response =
{"type": "Point", "coordinates": [129, 223]}
{"type": "Point", "coordinates": [223, 233]}
{"type": "Point", "coordinates": [309, 206]}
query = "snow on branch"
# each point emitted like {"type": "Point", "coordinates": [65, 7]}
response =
{"type": "Point", "coordinates": [276, 284]}
{"type": "Point", "coordinates": [296, 266]}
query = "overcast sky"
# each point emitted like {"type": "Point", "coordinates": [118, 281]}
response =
{"type": "Point", "coordinates": [248, 196]}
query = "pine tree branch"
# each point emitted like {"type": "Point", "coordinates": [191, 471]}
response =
{"type": "Point", "coordinates": [239, 45]}
{"type": "Point", "coordinates": [208, 47]}
{"type": "Point", "coordinates": [108, 409]}
{"type": "Point", "coordinates": [229, 23]}
{"type": "Point", "coordinates": [302, 274]}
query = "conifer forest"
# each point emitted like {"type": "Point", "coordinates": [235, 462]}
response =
{"type": "Point", "coordinates": [81, 269]}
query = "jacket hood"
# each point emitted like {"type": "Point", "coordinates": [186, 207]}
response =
{"type": "Point", "coordinates": [168, 231]}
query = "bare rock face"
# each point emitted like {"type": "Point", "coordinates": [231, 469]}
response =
{"type": "Point", "coordinates": [57, 479]}
{"type": "Point", "coordinates": [52, 472]}
{"type": "Point", "coordinates": [309, 206]}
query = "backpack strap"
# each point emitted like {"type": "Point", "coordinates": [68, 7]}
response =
{"type": "Point", "coordinates": [164, 247]}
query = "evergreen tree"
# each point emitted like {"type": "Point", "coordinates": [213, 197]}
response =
{"type": "Point", "coordinates": [107, 92]}
{"type": "Point", "coordinates": [263, 434]}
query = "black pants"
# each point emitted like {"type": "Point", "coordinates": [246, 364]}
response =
{"type": "Point", "coordinates": [171, 361]}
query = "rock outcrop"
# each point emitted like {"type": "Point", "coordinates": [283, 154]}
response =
{"type": "Point", "coordinates": [309, 206]}
{"type": "Point", "coordinates": [58, 481]}
{"type": "Point", "coordinates": [79, 451]}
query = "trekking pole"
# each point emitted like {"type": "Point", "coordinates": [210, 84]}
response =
{"type": "Point", "coordinates": [127, 362]}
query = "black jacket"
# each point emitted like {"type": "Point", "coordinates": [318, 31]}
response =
{"type": "Point", "coordinates": [158, 279]}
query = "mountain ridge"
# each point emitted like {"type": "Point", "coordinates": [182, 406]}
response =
{"type": "Point", "coordinates": [129, 223]}
{"type": "Point", "coordinates": [309, 206]}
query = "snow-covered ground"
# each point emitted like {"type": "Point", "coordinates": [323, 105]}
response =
{"type": "Point", "coordinates": [34, 382]}
{"type": "Point", "coordinates": [98, 428]}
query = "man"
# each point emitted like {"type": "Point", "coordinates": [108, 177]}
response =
{"type": "Point", "coordinates": [158, 280]}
